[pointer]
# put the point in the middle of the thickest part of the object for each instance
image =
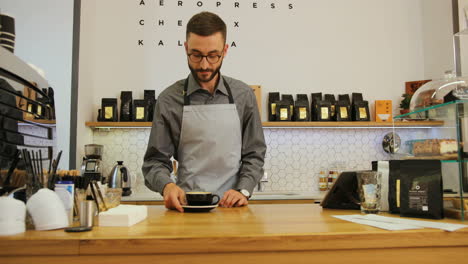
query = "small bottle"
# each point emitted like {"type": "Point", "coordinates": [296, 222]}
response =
{"type": "Point", "coordinates": [66, 191]}
{"type": "Point", "coordinates": [335, 176]}
{"type": "Point", "coordinates": [322, 181]}
{"type": "Point", "coordinates": [330, 180]}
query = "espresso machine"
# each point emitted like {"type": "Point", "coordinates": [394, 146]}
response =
{"type": "Point", "coordinates": [91, 166]}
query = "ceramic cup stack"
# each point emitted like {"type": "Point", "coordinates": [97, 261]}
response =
{"type": "Point", "coordinates": [12, 217]}
{"type": "Point", "coordinates": [7, 32]}
{"type": "Point", "coordinates": [47, 210]}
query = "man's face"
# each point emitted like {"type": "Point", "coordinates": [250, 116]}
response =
{"type": "Point", "coordinates": [213, 45]}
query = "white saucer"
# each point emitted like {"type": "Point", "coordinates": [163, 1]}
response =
{"type": "Point", "coordinates": [198, 208]}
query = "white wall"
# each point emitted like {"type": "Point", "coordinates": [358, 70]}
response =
{"type": "Point", "coordinates": [464, 38]}
{"type": "Point", "coordinates": [341, 46]}
{"type": "Point", "coordinates": [44, 31]}
{"type": "Point", "coordinates": [87, 85]}
{"type": "Point", "coordinates": [437, 38]}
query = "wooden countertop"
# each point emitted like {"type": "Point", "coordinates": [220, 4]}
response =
{"type": "Point", "coordinates": [255, 233]}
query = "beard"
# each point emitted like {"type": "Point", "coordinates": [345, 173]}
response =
{"type": "Point", "coordinates": [200, 79]}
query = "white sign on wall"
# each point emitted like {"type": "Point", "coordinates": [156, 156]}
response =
{"type": "Point", "coordinates": [160, 23]}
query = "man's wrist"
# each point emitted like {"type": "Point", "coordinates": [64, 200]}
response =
{"type": "Point", "coordinates": [166, 186]}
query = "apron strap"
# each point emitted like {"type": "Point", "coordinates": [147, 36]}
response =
{"type": "Point", "coordinates": [231, 99]}
{"type": "Point", "coordinates": [187, 98]}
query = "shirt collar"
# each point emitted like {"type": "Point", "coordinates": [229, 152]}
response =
{"type": "Point", "coordinates": [194, 86]}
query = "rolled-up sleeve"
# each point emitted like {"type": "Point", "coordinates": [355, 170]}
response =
{"type": "Point", "coordinates": [253, 146]}
{"type": "Point", "coordinates": [157, 160]}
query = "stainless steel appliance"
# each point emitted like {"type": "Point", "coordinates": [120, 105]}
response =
{"type": "Point", "coordinates": [91, 166]}
{"type": "Point", "coordinates": [119, 177]}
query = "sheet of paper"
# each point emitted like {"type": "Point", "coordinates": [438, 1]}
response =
{"type": "Point", "coordinates": [387, 226]}
{"type": "Point", "coordinates": [393, 223]}
{"type": "Point", "coordinates": [428, 224]}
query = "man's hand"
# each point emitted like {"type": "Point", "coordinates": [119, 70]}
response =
{"type": "Point", "coordinates": [174, 197]}
{"type": "Point", "coordinates": [233, 198]}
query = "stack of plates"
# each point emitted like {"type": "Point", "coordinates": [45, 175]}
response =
{"type": "Point", "coordinates": [7, 32]}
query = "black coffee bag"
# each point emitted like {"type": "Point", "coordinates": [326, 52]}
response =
{"type": "Point", "coordinates": [273, 99]}
{"type": "Point", "coordinates": [315, 98]}
{"type": "Point", "coordinates": [394, 186]}
{"type": "Point", "coordinates": [356, 97]}
{"type": "Point", "coordinates": [126, 106]}
{"type": "Point", "coordinates": [421, 189]}
{"type": "Point", "coordinates": [41, 108]}
{"type": "Point", "coordinates": [51, 102]}
{"type": "Point", "coordinates": [288, 98]}
{"type": "Point", "coordinates": [323, 111]}
{"type": "Point", "coordinates": [302, 97]}
{"type": "Point", "coordinates": [140, 111]}
{"type": "Point", "coordinates": [361, 111]}
{"type": "Point", "coordinates": [301, 108]}
{"type": "Point", "coordinates": [150, 99]}
{"type": "Point", "coordinates": [301, 111]}
{"type": "Point", "coordinates": [344, 98]}
{"type": "Point", "coordinates": [109, 109]}
{"type": "Point", "coordinates": [331, 98]}
{"type": "Point", "coordinates": [283, 111]}
{"type": "Point", "coordinates": [342, 111]}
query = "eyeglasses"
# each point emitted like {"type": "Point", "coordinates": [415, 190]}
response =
{"type": "Point", "coordinates": [211, 58]}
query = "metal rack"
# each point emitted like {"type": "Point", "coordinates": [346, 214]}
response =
{"type": "Point", "coordinates": [16, 75]}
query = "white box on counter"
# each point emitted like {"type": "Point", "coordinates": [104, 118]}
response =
{"type": "Point", "coordinates": [123, 215]}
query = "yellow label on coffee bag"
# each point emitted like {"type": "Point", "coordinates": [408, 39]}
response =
{"type": "Point", "coordinates": [140, 113]}
{"type": "Point", "coordinates": [273, 109]}
{"type": "Point", "coordinates": [343, 112]}
{"type": "Point", "coordinates": [324, 112]}
{"type": "Point", "coordinates": [108, 112]}
{"type": "Point", "coordinates": [39, 110]}
{"type": "Point", "coordinates": [362, 113]}
{"type": "Point", "coordinates": [283, 114]}
{"type": "Point", "coordinates": [397, 193]}
{"type": "Point", "coordinates": [302, 113]}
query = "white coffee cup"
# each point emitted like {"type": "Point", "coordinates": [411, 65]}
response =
{"type": "Point", "coordinates": [47, 210]}
{"type": "Point", "coordinates": [12, 216]}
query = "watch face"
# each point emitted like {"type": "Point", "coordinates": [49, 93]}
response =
{"type": "Point", "coordinates": [245, 193]}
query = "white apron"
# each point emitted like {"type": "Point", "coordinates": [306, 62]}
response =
{"type": "Point", "coordinates": [209, 152]}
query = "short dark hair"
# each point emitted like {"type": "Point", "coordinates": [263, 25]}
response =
{"type": "Point", "coordinates": [206, 24]}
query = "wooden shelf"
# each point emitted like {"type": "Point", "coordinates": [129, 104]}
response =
{"type": "Point", "coordinates": [39, 121]}
{"type": "Point", "coordinates": [118, 124]}
{"type": "Point", "coordinates": [361, 124]}
{"type": "Point", "coordinates": [369, 124]}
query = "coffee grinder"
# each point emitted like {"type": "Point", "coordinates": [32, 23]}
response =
{"type": "Point", "coordinates": [91, 166]}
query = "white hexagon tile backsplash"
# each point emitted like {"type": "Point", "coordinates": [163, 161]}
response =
{"type": "Point", "coordinates": [293, 159]}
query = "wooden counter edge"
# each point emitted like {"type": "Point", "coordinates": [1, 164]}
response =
{"type": "Point", "coordinates": [39, 247]}
{"type": "Point", "coordinates": [236, 244]}
{"type": "Point", "coordinates": [385, 256]}
{"type": "Point", "coordinates": [275, 243]}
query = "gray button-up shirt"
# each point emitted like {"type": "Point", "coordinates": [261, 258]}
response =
{"type": "Point", "coordinates": [165, 132]}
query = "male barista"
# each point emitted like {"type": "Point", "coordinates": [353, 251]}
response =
{"type": "Point", "coordinates": [209, 123]}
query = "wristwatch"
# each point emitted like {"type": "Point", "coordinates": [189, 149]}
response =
{"type": "Point", "coordinates": [245, 193]}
